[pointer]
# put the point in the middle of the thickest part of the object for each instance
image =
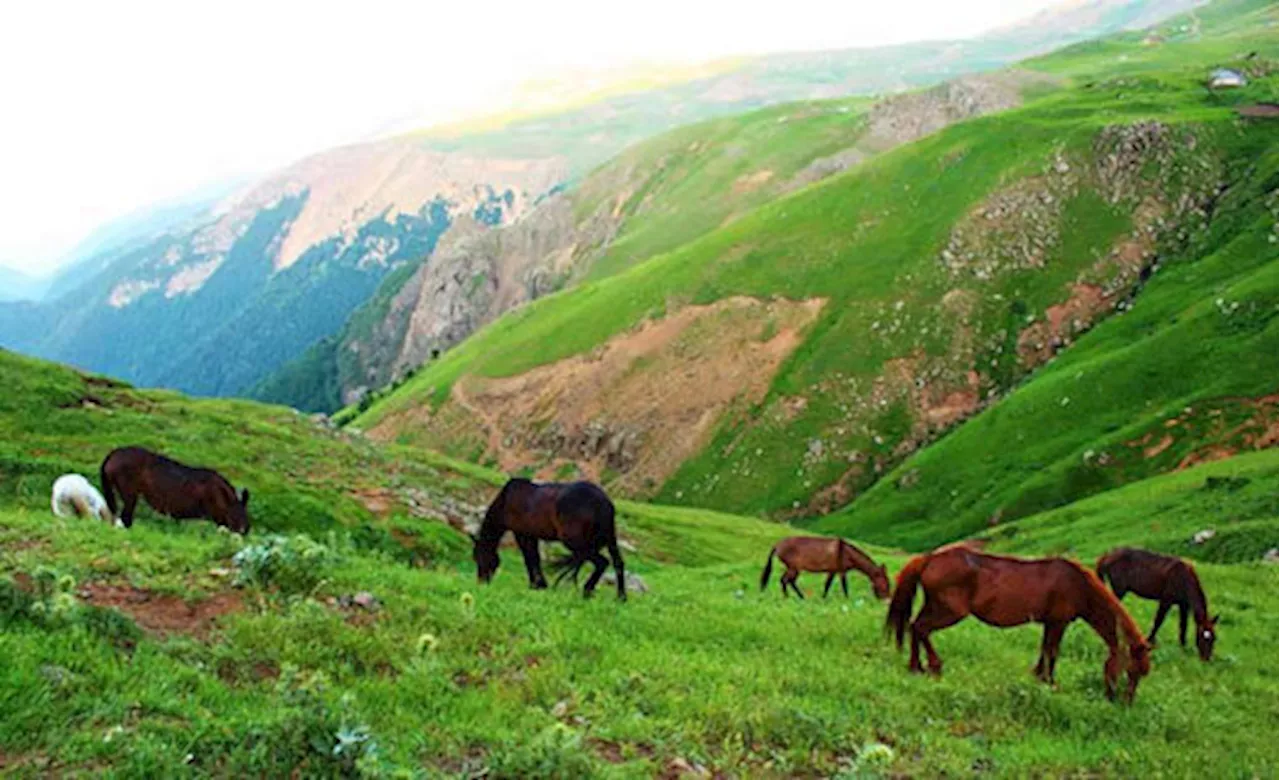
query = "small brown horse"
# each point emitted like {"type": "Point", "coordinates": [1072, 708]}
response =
{"type": "Point", "coordinates": [821, 554]}
{"type": "Point", "coordinates": [1168, 580]}
{"type": "Point", "coordinates": [182, 492]}
{"type": "Point", "coordinates": [577, 514]}
{"type": "Point", "coordinates": [1003, 592]}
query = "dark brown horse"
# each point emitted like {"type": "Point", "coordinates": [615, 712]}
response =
{"type": "Point", "coordinates": [823, 554]}
{"type": "Point", "coordinates": [578, 514]}
{"type": "Point", "coordinates": [1002, 592]}
{"type": "Point", "coordinates": [1165, 579]}
{"type": "Point", "coordinates": [182, 492]}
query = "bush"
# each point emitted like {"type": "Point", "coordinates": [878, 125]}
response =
{"type": "Point", "coordinates": [292, 565]}
{"type": "Point", "coordinates": [555, 752]}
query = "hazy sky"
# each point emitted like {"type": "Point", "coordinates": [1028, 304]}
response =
{"type": "Point", "coordinates": [110, 106]}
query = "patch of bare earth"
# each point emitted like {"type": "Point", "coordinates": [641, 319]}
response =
{"type": "Point", "coordinates": [163, 614]}
{"type": "Point", "coordinates": [749, 182]}
{"type": "Point", "coordinates": [643, 402]}
{"type": "Point", "coordinates": [1216, 429]}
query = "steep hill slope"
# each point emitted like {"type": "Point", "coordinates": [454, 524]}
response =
{"type": "Point", "coordinates": [943, 274]}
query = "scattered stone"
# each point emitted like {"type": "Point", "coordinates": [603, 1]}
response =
{"type": "Point", "coordinates": [1203, 536]}
{"type": "Point", "coordinates": [634, 583]}
{"type": "Point", "coordinates": [1272, 556]}
{"type": "Point", "coordinates": [362, 600]}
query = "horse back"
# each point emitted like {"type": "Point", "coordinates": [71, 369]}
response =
{"type": "Point", "coordinates": [1148, 574]}
{"type": "Point", "coordinates": [171, 488]}
{"type": "Point", "coordinates": [812, 553]}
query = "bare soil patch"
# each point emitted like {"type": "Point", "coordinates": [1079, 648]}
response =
{"type": "Point", "coordinates": [644, 401]}
{"type": "Point", "coordinates": [163, 614]}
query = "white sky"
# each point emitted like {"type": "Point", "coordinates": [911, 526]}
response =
{"type": "Point", "coordinates": [109, 106]}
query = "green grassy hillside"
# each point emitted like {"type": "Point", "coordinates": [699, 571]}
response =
{"type": "Point", "coordinates": [952, 268]}
{"type": "Point", "coordinates": [158, 652]}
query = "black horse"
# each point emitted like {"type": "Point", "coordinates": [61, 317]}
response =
{"type": "Point", "coordinates": [578, 514]}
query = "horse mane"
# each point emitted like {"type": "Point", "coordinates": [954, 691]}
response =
{"type": "Point", "coordinates": [865, 564]}
{"type": "Point", "coordinates": [1123, 619]}
{"type": "Point", "coordinates": [494, 524]}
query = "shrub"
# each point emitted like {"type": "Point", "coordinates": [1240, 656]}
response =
{"type": "Point", "coordinates": [553, 753]}
{"type": "Point", "coordinates": [292, 564]}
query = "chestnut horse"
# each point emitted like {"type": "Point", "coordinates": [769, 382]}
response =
{"type": "Point", "coordinates": [182, 492]}
{"type": "Point", "coordinates": [578, 514]}
{"type": "Point", "coordinates": [821, 554]}
{"type": "Point", "coordinates": [1002, 592]}
{"type": "Point", "coordinates": [1168, 580]}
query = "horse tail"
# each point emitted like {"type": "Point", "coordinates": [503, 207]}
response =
{"type": "Point", "coordinates": [107, 491]}
{"type": "Point", "coordinates": [768, 569]}
{"type": "Point", "coordinates": [904, 594]}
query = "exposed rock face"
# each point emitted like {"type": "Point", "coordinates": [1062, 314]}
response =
{"type": "Point", "coordinates": [349, 186]}
{"type": "Point", "coordinates": [905, 118]}
{"type": "Point", "coordinates": [214, 306]}
{"type": "Point", "coordinates": [472, 282]}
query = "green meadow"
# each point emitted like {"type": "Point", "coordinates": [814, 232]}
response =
{"type": "Point", "coordinates": [444, 678]}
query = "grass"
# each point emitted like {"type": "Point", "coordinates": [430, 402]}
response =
{"type": "Point", "coordinates": [448, 679]}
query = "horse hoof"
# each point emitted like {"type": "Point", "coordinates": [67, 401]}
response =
{"type": "Point", "coordinates": [917, 669]}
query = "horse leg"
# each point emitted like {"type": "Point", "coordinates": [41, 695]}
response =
{"type": "Point", "coordinates": [619, 568]}
{"type": "Point", "coordinates": [934, 616]}
{"type": "Point", "coordinates": [844, 582]}
{"type": "Point", "coordinates": [1049, 651]}
{"type": "Point", "coordinates": [130, 504]}
{"type": "Point", "coordinates": [532, 561]}
{"type": "Point", "coordinates": [601, 564]}
{"type": "Point", "coordinates": [793, 575]}
{"type": "Point", "coordinates": [830, 579]}
{"type": "Point", "coordinates": [1182, 624]}
{"type": "Point", "coordinates": [1160, 615]}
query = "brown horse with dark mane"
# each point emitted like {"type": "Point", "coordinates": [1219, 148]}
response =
{"type": "Point", "coordinates": [578, 514]}
{"type": "Point", "coordinates": [171, 488]}
{"type": "Point", "coordinates": [821, 554]}
{"type": "Point", "coordinates": [1002, 591]}
{"type": "Point", "coordinates": [1165, 579]}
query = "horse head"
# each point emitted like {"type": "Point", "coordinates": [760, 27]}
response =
{"type": "Point", "coordinates": [1206, 635]}
{"type": "Point", "coordinates": [1139, 666]}
{"type": "Point", "coordinates": [880, 582]}
{"type": "Point", "coordinates": [486, 557]}
{"type": "Point", "coordinates": [234, 514]}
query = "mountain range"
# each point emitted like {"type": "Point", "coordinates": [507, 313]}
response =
{"type": "Point", "coordinates": [303, 265]}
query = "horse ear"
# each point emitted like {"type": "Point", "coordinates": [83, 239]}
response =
{"type": "Point", "coordinates": [1214, 619]}
{"type": "Point", "coordinates": [244, 497]}
{"type": "Point", "coordinates": [474, 538]}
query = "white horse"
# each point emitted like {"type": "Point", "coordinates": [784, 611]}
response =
{"type": "Point", "coordinates": [74, 496]}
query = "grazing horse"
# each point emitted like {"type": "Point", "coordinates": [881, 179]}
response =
{"type": "Point", "coordinates": [820, 554]}
{"type": "Point", "coordinates": [1002, 592]}
{"type": "Point", "coordinates": [74, 496]}
{"type": "Point", "coordinates": [1168, 580]}
{"type": "Point", "coordinates": [182, 492]}
{"type": "Point", "coordinates": [578, 514]}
